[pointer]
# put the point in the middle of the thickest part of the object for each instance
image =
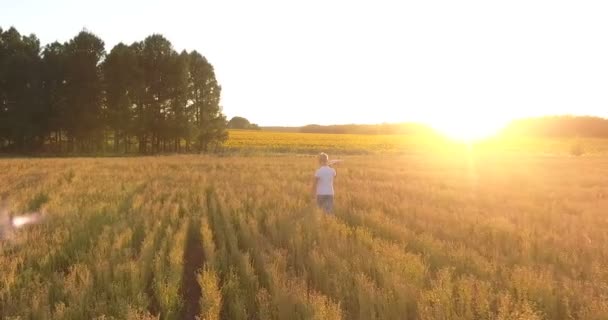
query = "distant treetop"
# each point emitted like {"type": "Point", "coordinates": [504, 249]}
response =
{"type": "Point", "coordinates": [384, 128]}
{"type": "Point", "coordinates": [242, 123]}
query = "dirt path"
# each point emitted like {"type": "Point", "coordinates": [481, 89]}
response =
{"type": "Point", "coordinates": [193, 261]}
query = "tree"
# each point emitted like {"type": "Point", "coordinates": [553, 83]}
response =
{"type": "Point", "coordinates": [238, 123]}
{"type": "Point", "coordinates": [178, 126]}
{"type": "Point", "coordinates": [53, 91]}
{"type": "Point", "coordinates": [156, 57]}
{"type": "Point", "coordinates": [73, 93]}
{"type": "Point", "coordinates": [120, 83]}
{"type": "Point", "coordinates": [208, 121]}
{"type": "Point", "coordinates": [21, 122]}
{"type": "Point", "coordinates": [83, 91]}
{"type": "Point", "coordinates": [140, 120]}
{"type": "Point", "coordinates": [4, 130]}
{"type": "Point", "coordinates": [242, 123]}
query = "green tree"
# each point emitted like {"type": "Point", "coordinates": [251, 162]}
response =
{"type": "Point", "coordinates": [178, 126]}
{"type": "Point", "coordinates": [84, 91]}
{"type": "Point", "coordinates": [209, 124]}
{"type": "Point", "coordinates": [156, 57]}
{"type": "Point", "coordinates": [238, 123]}
{"type": "Point", "coordinates": [120, 83]}
{"type": "Point", "coordinates": [242, 123]}
{"type": "Point", "coordinates": [4, 131]}
{"type": "Point", "coordinates": [138, 96]}
{"type": "Point", "coordinates": [72, 93]}
{"type": "Point", "coordinates": [53, 91]}
{"type": "Point", "coordinates": [21, 122]}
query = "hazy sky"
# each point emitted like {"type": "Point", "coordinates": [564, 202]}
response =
{"type": "Point", "coordinates": [298, 62]}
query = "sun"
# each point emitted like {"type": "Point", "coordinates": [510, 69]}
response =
{"type": "Point", "coordinates": [468, 129]}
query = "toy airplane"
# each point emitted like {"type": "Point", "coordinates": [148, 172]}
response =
{"type": "Point", "coordinates": [10, 223]}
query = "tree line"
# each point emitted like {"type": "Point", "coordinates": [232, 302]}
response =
{"type": "Point", "coordinates": [384, 128]}
{"type": "Point", "coordinates": [559, 126]}
{"type": "Point", "coordinates": [73, 97]}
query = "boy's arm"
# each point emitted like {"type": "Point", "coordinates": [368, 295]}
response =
{"type": "Point", "coordinates": [315, 179]}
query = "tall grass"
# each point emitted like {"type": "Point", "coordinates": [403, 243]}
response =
{"type": "Point", "coordinates": [470, 236]}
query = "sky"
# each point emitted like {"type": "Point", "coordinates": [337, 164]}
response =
{"type": "Point", "coordinates": [478, 63]}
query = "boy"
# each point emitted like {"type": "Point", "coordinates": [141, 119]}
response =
{"type": "Point", "coordinates": [323, 184]}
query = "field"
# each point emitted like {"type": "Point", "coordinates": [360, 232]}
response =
{"type": "Point", "coordinates": [288, 142]}
{"type": "Point", "coordinates": [264, 142]}
{"type": "Point", "coordinates": [450, 235]}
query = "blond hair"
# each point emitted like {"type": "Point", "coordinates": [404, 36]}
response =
{"type": "Point", "coordinates": [323, 158]}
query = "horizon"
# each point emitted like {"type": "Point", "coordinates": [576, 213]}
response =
{"type": "Point", "coordinates": [428, 125]}
{"type": "Point", "coordinates": [365, 62]}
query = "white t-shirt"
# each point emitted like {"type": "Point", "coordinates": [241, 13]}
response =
{"type": "Point", "coordinates": [325, 181]}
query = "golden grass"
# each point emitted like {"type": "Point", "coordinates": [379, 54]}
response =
{"type": "Point", "coordinates": [414, 237]}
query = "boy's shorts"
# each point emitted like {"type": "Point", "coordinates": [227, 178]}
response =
{"type": "Point", "coordinates": [325, 202]}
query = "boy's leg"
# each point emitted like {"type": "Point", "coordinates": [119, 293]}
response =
{"type": "Point", "coordinates": [329, 204]}
{"type": "Point", "coordinates": [326, 203]}
{"type": "Point", "coordinates": [320, 201]}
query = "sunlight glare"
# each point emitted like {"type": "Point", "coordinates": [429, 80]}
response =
{"type": "Point", "coordinates": [468, 129]}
